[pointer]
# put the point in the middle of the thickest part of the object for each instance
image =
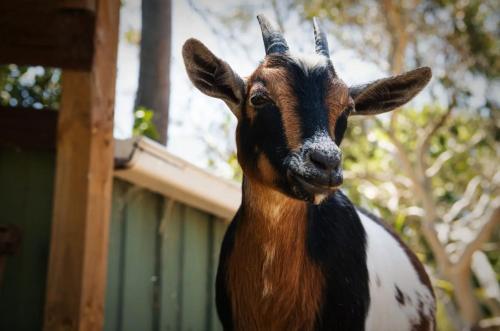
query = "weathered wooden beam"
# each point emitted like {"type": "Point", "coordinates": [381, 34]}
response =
{"type": "Point", "coordinates": [28, 128]}
{"type": "Point", "coordinates": [82, 197]}
{"type": "Point", "coordinates": [55, 33]}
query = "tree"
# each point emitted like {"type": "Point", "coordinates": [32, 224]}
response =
{"type": "Point", "coordinates": [154, 82]}
{"type": "Point", "coordinates": [437, 165]}
{"type": "Point", "coordinates": [459, 30]}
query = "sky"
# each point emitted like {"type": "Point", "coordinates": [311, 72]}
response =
{"type": "Point", "coordinates": [194, 116]}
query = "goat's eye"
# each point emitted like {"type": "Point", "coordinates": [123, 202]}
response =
{"type": "Point", "coordinates": [349, 110]}
{"type": "Point", "coordinates": [259, 100]}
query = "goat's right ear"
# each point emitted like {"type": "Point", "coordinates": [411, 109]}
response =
{"type": "Point", "coordinates": [213, 76]}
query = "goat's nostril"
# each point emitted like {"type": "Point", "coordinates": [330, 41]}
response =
{"type": "Point", "coordinates": [318, 160]}
{"type": "Point", "coordinates": [324, 161]}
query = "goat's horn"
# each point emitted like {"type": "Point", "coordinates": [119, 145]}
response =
{"type": "Point", "coordinates": [320, 39]}
{"type": "Point", "coordinates": [273, 39]}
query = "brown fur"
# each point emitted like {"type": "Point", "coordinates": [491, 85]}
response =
{"type": "Point", "coordinates": [424, 323]}
{"type": "Point", "coordinates": [265, 170]}
{"type": "Point", "coordinates": [279, 89]}
{"type": "Point", "coordinates": [272, 283]}
{"type": "Point", "coordinates": [337, 99]}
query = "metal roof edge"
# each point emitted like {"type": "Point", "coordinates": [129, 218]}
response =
{"type": "Point", "coordinates": [146, 163]}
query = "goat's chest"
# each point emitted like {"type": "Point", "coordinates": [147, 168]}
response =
{"type": "Point", "coordinates": [272, 284]}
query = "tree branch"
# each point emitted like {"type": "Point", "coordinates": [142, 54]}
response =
{"type": "Point", "coordinates": [449, 153]}
{"type": "Point", "coordinates": [424, 144]}
{"type": "Point", "coordinates": [482, 236]}
{"type": "Point", "coordinates": [465, 201]}
{"type": "Point", "coordinates": [396, 25]}
{"type": "Point", "coordinates": [430, 218]}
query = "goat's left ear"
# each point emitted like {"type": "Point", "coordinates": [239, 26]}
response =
{"type": "Point", "coordinates": [213, 76]}
{"type": "Point", "coordinates": [387, 94]}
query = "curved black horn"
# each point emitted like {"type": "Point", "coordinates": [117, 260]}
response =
{"type": "Point", "coordinates": [273, 39]}
{"type": "Point", "coordinates": [320, 39]}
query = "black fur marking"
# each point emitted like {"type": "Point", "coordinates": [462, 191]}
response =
{"type": "Point", "coordinates": [400, 298]}
{"type": "Point", "coordinates": [222, 301]}
{"type": "Point", "coordinates": [267, 133]}
{"type": "Point", "coordinates": [340, 127]}
{"type": "Point", "coordinates": [337, 241]}
{"type": "Point", "coordinates": [310, 89]}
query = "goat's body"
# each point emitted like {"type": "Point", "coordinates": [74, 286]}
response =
{"type": "Point", "coordinates": [401, 296]}
{"type": "Point", "coordinates": [327, 267]}
{"type": "Point", "coordinates": [290, 259]}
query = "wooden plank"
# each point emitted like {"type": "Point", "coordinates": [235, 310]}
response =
{"type": "Point", "coordinates": [171, 265]}
{"type": "Point", "coordinates": [82, 198]}
{"type": "Point", "coordinates": [49, 33]}
{"type": "Point", "coordinates": [26, 179]}
{"type": "Point", "coordinates": [77, 4]}
{"type": "Point", "coordinates": [28, 128]}
{"type": "Point", "coordinates": [195, 270]}
{"type": "Point", "coordinates": [139, 270]}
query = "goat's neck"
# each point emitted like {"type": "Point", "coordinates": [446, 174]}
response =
{"type": "Point", "coordinates": [272, 281]}
{"type": "Point", "coordinates": [268, 209]}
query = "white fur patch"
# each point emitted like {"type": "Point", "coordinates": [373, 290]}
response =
{"type": "Point", "coordinates": [318, 198]}
{"type": "Point", "coordinates": [309, 62]}
{"type": "Point", "coordinates": [269, 252]}
{"type": "Point", "coordinates": [390, 269]}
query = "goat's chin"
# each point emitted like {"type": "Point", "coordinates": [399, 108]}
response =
{"type": "Point", "coordinates": [315, 197]}
{"type": "Point", "coordinates": [309, 192]}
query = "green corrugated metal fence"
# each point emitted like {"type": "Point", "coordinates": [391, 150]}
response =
{"type": "Point", "coordinates": [162, 264]}
{"type": "Point", "coordinates": [162, 254]}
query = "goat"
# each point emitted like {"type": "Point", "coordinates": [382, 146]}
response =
{"type": "Point", "coordinates": [299, 255]}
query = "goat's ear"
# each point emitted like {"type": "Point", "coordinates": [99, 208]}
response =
{"type": "Point", "coordinates": [389, 93]}
{"type": "Point", "coordinates": [213, 76]}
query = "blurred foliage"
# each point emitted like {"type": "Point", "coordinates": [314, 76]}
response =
{"type": "Point", "coordinates": [459, 40]}
{"type": "Point", "coordinates": [133, 36]}
{"type": "Point", "coordinates": [374, 177]}
{"type": "Point", "coordinates": [225, 151]}
{"type": "Point", "coordinates": [22, 86]}
{"type": "Point", "coordinates": [143, 123]}
{"type": "Point", "coordinates": [462, 34]}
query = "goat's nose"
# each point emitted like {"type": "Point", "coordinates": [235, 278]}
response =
{"type": "Point", "coordinates": [325, 160]}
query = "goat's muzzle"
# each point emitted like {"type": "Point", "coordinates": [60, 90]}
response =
{"type": "Point", "coordinates": [316, 167]}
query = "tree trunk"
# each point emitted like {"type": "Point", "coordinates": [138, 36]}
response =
{"type": "Point", "coordinates": [396, 23]}
{"type": "Point", "coordinates": [464, 295]}
{"type": "Point", "coordinates": [154, 74]}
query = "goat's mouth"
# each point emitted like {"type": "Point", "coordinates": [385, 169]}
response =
{"type": "Point", "coordinates": [314, 189]}
{"type": "Point", "coordinates": [312, 181]}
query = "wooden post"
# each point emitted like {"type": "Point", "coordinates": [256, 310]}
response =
{"type": "Point", "coordinates": [82, 197]}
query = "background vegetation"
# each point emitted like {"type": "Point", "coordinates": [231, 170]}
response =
{"type": "Point", "coordinates": [432, 169]}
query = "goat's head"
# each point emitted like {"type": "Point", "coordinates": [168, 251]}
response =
{"type": "Point", "coordinates": [292, 111]}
